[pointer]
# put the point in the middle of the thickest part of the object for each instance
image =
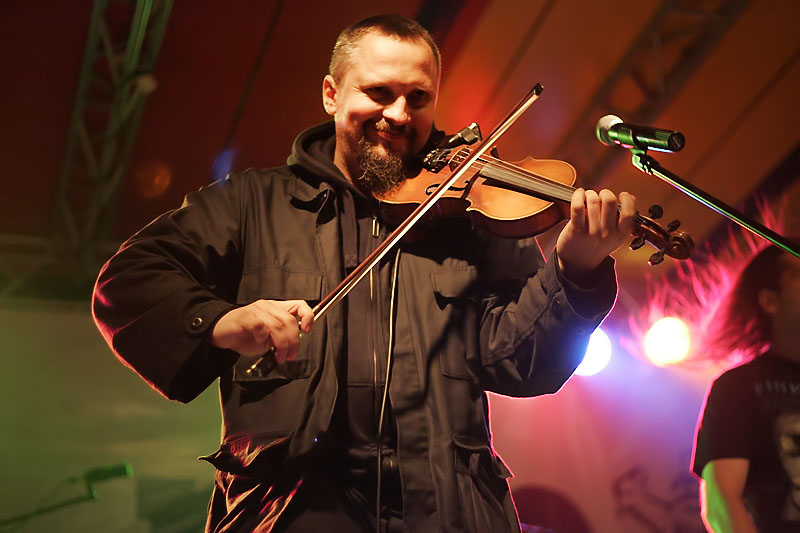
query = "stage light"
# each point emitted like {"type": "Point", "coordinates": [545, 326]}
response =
{"type": "Point", "coordinates": [223, 164]}
{"type": "Point", "coordinates": [597, 356]}
{"type": "Point", "coordinates": [152, 179]}
{"type": "Point", "coordinates": [667, 341]}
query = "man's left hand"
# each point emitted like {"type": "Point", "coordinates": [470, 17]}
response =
{"type": "Point", "coordinates": [598, 225]}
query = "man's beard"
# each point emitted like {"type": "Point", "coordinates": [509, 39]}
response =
{"type": "Point", "coordinates": [383, 171]}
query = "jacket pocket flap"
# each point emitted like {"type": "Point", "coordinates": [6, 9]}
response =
{"type": "Point", "coordinates": [452, 283]}
{"type": "Point", "coordinates": [270, 372]}
{"type": "Point", "coordinates": [477, 459]}
{"type": "Point", "coordinates": [279, 283]}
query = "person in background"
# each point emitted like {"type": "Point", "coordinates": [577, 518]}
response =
{"type": "Point", "coordinates": [748, 438]}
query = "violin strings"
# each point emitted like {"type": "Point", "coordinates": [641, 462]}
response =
{"type": "Point", "coordinates": [525, 178]}
{"type": "Point", "coordinates": [515, 175]}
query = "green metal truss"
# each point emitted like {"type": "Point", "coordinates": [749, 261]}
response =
{"type": "Point", "coordinates": [115, 79]}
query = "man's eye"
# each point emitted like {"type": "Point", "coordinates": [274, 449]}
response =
{"type": "Point", "coordinates": [419, 98]}
{"type": "Point", "coordinates": [379, 94]}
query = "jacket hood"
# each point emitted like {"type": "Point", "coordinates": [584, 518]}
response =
{"type": "Point", "coordinates": [312, 153]}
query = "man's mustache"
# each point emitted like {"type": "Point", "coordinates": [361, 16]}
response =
{"type": "Point", "coordinates": [384, 126]}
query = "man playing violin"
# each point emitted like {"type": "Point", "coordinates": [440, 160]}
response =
{"type": "Point", "coordinates": [311, 441]}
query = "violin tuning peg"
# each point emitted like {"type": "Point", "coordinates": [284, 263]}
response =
{"type": "Point", "coordinates": [656, 258]}
{"type": "Point", "coordinates": [637, 243]}
{"type": "Point", "coordinates": [494, 153]}
{"type": "Point", "coordinates": [672, 226]}
{"type": "Point", "coordinates": [655, 211]}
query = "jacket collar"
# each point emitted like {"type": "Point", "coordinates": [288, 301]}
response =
{"type": "Point", "coordinates": [312, 192]}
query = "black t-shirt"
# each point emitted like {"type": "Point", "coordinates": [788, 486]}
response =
{"type": "Point", "coordinates": [752, 411]}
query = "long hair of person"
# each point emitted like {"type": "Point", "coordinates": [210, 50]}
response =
{"type": "Point", "coordinates": [740, 324]}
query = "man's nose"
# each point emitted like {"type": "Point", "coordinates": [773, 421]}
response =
{"type": "Point", "coordinates": [397, 111]}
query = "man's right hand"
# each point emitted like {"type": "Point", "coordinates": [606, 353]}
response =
{"type": "Point", "coordinates": [255, 328]}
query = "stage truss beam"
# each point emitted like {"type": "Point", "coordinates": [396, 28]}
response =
{"type": "Point", "coordinates": [123, 43]}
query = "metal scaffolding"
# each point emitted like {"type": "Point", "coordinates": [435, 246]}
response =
{"type": "Point", "coordinates": [116, 76]}
{"type": "Point", "coordinates": [674, 43]}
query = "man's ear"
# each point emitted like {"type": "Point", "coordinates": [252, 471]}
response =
{"type": "Point", "coordinates": [768, 300]}
{"type": "Point", "coordinates": [329, 93]}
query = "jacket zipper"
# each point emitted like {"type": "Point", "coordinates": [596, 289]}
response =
{"type": "Point", "coordinates": [376, 230]}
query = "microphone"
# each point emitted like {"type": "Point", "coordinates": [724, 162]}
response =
{"type": "Point", "coordinates": [103, 473]}
{"type": "Point", "coordinates": [611, 130]}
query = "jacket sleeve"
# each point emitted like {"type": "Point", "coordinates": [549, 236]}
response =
{"type": "Point", "coordinates": [533, 338]}
{"type": "Point", "coordinates": [157, 298]}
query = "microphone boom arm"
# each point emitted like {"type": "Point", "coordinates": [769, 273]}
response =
{"type": "Point", "coordinates": [648, 165]}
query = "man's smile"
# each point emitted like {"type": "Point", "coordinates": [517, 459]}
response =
{"type": "Point", "coordinates": [382, 133]}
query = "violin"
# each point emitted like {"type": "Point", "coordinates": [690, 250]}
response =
{"type": "Point", "coordinates": [519, 199]}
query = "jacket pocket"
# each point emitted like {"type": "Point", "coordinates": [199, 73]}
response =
{"type": "Point", "coordinates": [270, 374]}
{"type": "Point", "coordinates": [454, 283]}
{"type": "Point", "coordinates": [454, 290]}
{"type": "Point", "coordinates": [482, 487]}
{"type": "Point", "coordinates": [277, 283]}
{"type": "Point", "coordinates": [280, 283]}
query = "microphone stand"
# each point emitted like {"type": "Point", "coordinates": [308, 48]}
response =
{"type": "Point", "coordinates": [91, 493]}
{"type": "Point", "coordinates": [648, 165]}
{"type": "Point", "coordinates": [50, 508]}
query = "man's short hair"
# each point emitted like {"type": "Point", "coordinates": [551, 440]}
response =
{"type": "Point", "coordinates": [389, 25]}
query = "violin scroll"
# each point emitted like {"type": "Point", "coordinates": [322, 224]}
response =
{"type": "Point", "coordinates": [668, 241]}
